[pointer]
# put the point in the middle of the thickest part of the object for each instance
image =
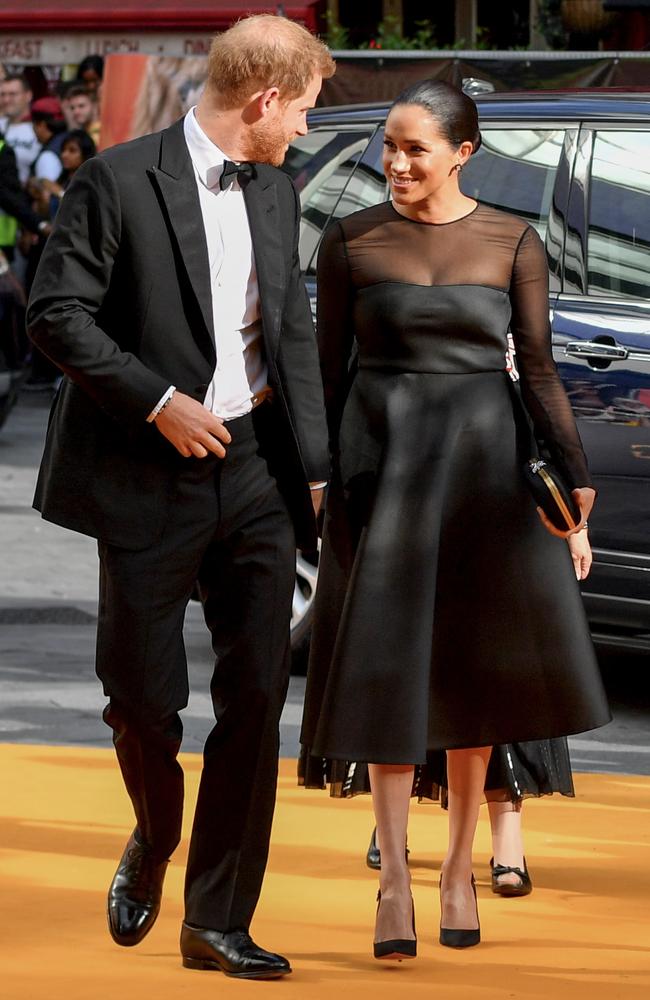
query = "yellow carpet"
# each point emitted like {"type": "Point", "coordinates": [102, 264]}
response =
{"type": "Point", "coordinates": [584, 932]}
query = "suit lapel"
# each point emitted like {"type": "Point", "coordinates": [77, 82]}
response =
{"type": "Point", "coordinates": [174, 178]}
{"type": "Point", "coordinates": [261, 199]}
{"type": "Point", "coordinates": [176, 184]}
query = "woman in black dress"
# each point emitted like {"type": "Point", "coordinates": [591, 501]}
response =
{"type": "Point", "coordinates": [447, 614]}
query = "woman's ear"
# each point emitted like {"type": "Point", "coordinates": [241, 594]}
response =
{"type": "Point", "coordinates": [464, 151]}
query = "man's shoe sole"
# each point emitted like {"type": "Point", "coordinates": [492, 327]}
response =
{"type": "Point", "coordinates": [206, 965]}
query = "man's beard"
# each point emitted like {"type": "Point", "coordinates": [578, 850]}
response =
{"type": "Point", "coordinates": [267, 143]}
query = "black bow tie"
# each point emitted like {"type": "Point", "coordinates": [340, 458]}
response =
{"type": "Point", "coordinates": [243, 172]}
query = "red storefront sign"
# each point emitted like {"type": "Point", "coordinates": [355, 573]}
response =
{"type": "Point", "coordinates": [34, 16]}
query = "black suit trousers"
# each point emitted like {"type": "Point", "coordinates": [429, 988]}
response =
{"type": "Point", "coordinates": [230, 533]}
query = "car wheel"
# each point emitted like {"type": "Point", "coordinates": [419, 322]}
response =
{"type": "Point", "coordinates": [302, 610]}
{"type": "Point", "coordinates": [8, 395]}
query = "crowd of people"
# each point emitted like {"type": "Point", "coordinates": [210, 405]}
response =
{"type": "Point", "coordinates": [43, 141]}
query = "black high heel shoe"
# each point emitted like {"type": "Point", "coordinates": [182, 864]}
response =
{"type": "Point", "coordinates": [452, 938]}
{"type": "Point", "coordinates": [373, 854]}
{"type": "Point", "coordinates": [396, 948]}
{"type": "Point", "coordinates": [508, 889]}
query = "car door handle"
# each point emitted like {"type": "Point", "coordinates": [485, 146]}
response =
{"type": "Point", "coordinates": [594, 349]}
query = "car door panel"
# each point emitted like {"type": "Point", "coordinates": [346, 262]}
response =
{"type": "Point", "coordinates": [601, 344]}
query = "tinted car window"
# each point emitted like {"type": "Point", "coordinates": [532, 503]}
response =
{"type": "Point", "coordinates": [320, 164]}
{"type": "Point", "coordinates": [514, 170]}
{"type": "Point", "coordinates": [367, 185]}
{"type": "Point", "coordinates": [619, 215]}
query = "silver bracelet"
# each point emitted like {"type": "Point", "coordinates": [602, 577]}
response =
{"type": "Point", "coordinates": [166, 403]}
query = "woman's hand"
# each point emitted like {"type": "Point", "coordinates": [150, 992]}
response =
{"type": "Point", "coordinates": [580, 550]}
{"type": "Point", "coordinates": [584, 497]}
{"type": "Point", "coordinates": [52, 187]}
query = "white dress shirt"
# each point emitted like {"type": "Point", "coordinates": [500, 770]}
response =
{"type": "Point", "coordinates": [240, 375]}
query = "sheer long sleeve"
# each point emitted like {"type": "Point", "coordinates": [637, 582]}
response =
{"type": "Point", "coordinates": [542, 388]}
{"type": "Point", "coordinates": [334, 325]}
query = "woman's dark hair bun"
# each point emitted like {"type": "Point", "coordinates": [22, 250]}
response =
{"type": "Point", "coordinates": [454, 112]}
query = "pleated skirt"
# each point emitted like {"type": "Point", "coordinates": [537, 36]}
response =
{"type": "Point", "coordinates": [446, 616]}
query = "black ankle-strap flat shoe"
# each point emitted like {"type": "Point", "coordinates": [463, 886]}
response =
{"type": "Point", "coordinates": [523, 888]}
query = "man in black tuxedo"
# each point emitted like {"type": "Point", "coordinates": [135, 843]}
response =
{"type": "Point", "coordinates": [186, 435]}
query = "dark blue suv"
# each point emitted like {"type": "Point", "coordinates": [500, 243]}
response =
{"type": "Point", "coordinates": [577, 167]}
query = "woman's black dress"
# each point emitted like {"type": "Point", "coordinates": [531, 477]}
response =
{"type": "Point", "coordinates": [446, 616]}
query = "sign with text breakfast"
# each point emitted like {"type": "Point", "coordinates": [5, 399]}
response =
{"type": "Point", "coordinates": [59, 48]}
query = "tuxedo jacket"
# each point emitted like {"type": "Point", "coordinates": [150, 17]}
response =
{"type": "Point", "coordinates": [122, 304]}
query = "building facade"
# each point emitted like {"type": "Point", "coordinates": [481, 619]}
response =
{"type": "Point", "coordinates": [489, 24]}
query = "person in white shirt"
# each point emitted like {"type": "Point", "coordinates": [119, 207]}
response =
{"type": "Point", "coordinates": [15, 123]}
{"type": "Point", "coordinates": [189, 428]}
{"type": "Point", "coordinates": [49, 126]}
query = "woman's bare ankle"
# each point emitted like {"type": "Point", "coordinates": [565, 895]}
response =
{"type": "Point", "coordinates": [454, 870]}
{"type": "Point", "coordinates": [395, 882]}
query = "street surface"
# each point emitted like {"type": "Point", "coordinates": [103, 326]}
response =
{"type": "Point", "coordinates": [48, 607]}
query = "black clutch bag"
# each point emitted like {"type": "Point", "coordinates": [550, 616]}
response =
{"type": "Point", "coordinates": [546, 484]}
{"type": "Point", "coordinates": [552, 494]}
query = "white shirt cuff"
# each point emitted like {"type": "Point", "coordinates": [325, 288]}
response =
{"type": "Point", "coordinates": [161, 402]}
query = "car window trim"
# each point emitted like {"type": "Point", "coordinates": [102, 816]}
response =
{"type": "Point", "coordinates": [577, 219]}
{"type": "Point", "coordinates": [563, 173]}
{"type": "Point", "coordinates": [371, 134]}
{"type": "Point", "coordinates": [590, 128]}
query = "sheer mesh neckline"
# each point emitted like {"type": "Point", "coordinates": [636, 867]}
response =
{"type": "Point", "coordinates": [476, 249]}
{"type": "Point", "coordinates": [421, 222]}
{"type": "Point", "coordinates": [492, 250]}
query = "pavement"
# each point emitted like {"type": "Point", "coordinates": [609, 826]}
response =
{"type": "Point", "coordinates": [48, 607]}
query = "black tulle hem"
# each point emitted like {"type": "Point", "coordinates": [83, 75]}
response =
{"type": "Point", "coordinates": [516, 771]}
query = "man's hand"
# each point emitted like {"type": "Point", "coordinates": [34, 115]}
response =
{"type": "Point", "coordinates": [191, 428]}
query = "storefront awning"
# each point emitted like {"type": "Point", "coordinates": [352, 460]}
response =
{"type": "Point", "coordinates": [141, 15]}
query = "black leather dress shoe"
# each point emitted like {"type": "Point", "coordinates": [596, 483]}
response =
{"type": "Point", "coordinates": [134, 895]}
{"type": "Point", "coordinates": [373, 854]}
{"type": "Point", "coordinates": [234, 953]}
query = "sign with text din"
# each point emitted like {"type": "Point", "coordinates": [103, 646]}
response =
{"type": "Point", "coordinates": [59, 48]}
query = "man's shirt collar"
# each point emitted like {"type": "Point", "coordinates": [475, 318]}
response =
{"type": "Point", "coordinates": [206, 156]}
